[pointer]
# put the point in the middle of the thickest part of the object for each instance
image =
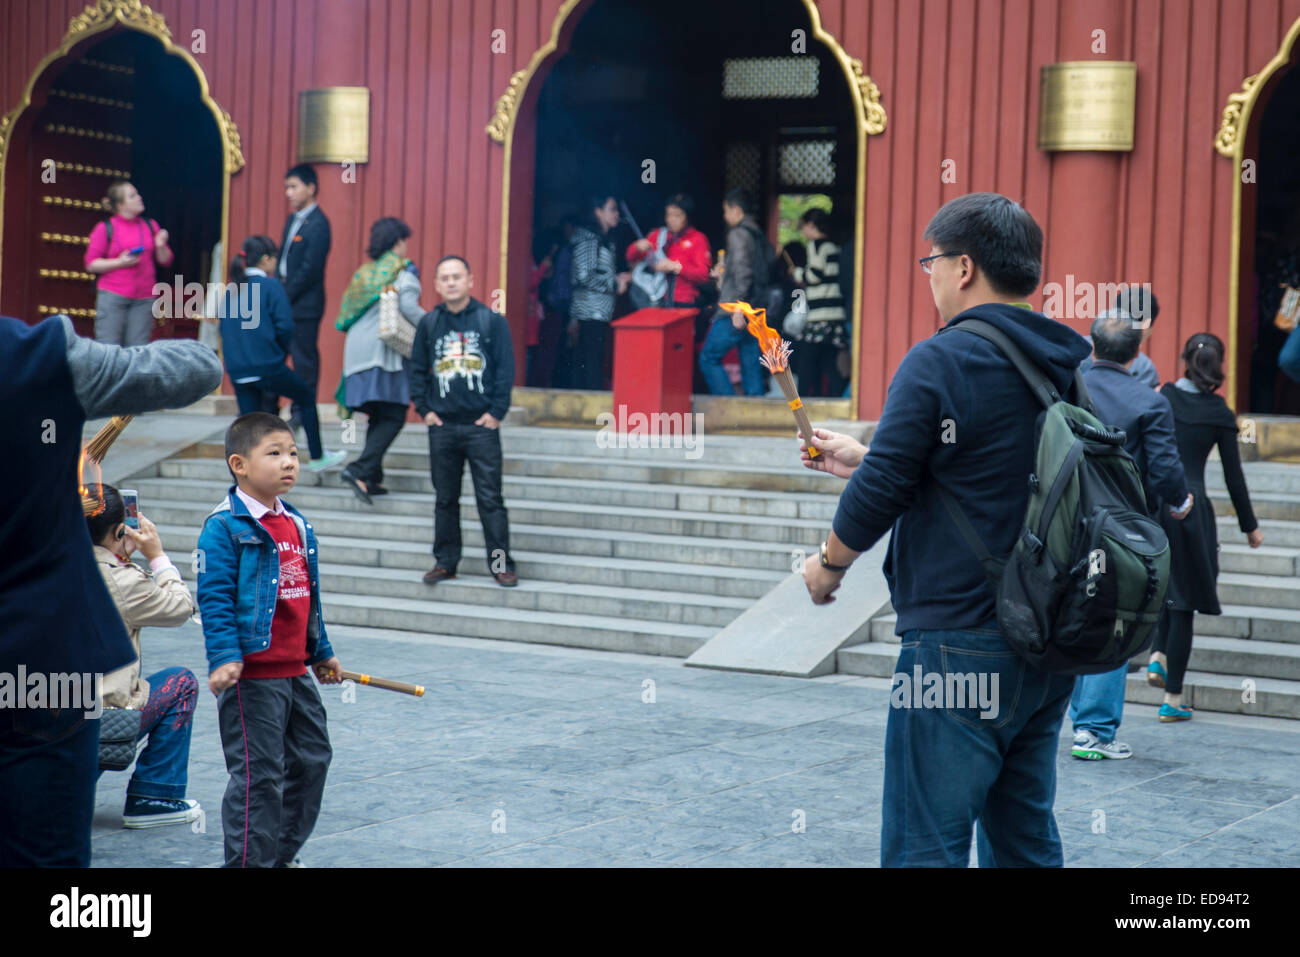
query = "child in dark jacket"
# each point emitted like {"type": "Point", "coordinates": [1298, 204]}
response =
{"type": "Point", "coordinates": [256, 336]}
{"type": "Point", "coordinates": [269, 713]}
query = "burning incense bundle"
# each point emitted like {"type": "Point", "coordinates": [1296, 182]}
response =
{"type": "Point", "coordinates": [94, 452]}
{"type": "Point", "coordinates": [775, 356]}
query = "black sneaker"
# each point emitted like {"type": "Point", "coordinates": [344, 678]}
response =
{"type": "Point", "coordinates": [156, 812]}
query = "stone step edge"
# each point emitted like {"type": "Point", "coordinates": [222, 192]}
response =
{"type": "Point", "coordinates": [883, 650]}
{"type": "Point", "coordinates": [558, 619]}
{"type": "Point", "coordinates": [641, 538]}
{"type": "Point", "coordinates": [614, 511]}
{"type": "Point", "coordinates": [547, 480]}
{"type": "Point", "coordinates": [544, 586]}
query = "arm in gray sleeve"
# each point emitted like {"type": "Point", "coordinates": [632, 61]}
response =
{"type": "Point", "coordinates": [110, 380]}
{"type": "Point", "coordinates": [408, 297]}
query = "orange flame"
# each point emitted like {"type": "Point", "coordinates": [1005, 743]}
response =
{"type": "Point", "coordinates": [775, 350]}
{"type": "Point", "coordinates": [90, 505]}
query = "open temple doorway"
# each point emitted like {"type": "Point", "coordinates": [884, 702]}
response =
{"type": "Point", "coordinates": [653, 100]}
{"type": "Point", "coordinates": [1276, 233]}
{"type": "Point", "coordinates": [118, 107]}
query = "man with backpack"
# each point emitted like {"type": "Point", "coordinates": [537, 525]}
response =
{"type": "Point", "coordinates": [960, 419]}
{"type": "Point", "coordinates": [746, 275]}
{"type": "Point", "coordinates": [1125, 401]}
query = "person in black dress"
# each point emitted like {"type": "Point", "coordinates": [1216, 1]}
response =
{"type": "Point", "coordinates": [1202, 420]}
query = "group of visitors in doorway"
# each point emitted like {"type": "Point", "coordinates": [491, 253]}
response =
{"type": "Point", "coordinates": [583, 278]}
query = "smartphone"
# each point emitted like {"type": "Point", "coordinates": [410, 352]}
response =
{"type": "Point", "coordinates": [131, 499]}
{"type": "Point", "coordinates": [137, 251]}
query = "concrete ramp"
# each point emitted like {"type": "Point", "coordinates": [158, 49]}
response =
{"type": "Point", "coordinates": [786, 634]}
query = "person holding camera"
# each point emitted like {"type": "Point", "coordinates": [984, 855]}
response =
{"type": "Point", "coordinates": [122, 251]}
{"type": "Point", "coordinates": [155, 795]}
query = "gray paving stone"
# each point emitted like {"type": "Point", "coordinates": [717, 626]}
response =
{"type": "Point", "coordinates": [710, 774]}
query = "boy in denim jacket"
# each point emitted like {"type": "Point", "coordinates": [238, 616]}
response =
{"type": "Point", "coordinates": [259, 596]}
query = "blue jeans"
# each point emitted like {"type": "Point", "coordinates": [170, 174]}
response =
{"type": "Point", "coordinates": [1097, 704]}
{"type": "Point", "coordinates": [720, 340]}
{"type": "Point", "coordinates": [162, 769]}
{"type": "Point", "coordinates": [988, 765]}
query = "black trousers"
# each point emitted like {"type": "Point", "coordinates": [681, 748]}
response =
{"type": "Point", "coordinates": [306, 357]}
{"type": "Point", "coordinates": [589, 354]}
{"type": "Point", "coordinates": [277, 752]}
{"type": "Point", "coordinates": [386, 420]}
{"type": "Point", "coordinates": [809, 362]}
{"type": "Point", "coordinates": [49, 763]}
{"type": "Point", "coordinates": [252, 396]}
{"type": "Point", "coordinates": [451, 445]}
{"type": "Point", "coordinates": [1174, 638]}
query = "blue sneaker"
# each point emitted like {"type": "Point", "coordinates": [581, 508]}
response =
{"type": "Point", "coordinates": [1169, 713]}
{"type": "Point", "coordinates": [1156, 674]}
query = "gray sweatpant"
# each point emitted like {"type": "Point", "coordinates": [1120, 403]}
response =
{"type": "Point", "coordinates": [277, 752]}
{"type": "Point", "coordinates": [120, 321]}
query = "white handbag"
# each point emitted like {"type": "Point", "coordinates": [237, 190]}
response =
{"type": "Point", "coordinates": [395, 330]}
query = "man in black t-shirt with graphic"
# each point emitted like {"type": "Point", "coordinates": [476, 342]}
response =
{"type": "Point", "coordinates": [462, 369]}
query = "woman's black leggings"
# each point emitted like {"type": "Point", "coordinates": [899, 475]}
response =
{"type": "Point", "coordinates": [1174, 638]}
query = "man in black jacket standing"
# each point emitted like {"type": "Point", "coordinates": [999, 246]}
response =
{"type": "Point", "coordinates": [1125, 401]}
{"type": "Point", "coordinates": [303, 251]}
{"type": "Point", "coordinates": [462, 370]}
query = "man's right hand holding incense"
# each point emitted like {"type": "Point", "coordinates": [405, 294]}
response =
{"type": "Point", "coordinates": [840, 454]}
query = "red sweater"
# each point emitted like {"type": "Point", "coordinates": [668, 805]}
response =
{"type": "Point", "coordinates": [287, 656]}
{"type": "Point", "coordinates": [691, 249]}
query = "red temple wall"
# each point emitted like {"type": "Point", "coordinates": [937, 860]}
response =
{"type": "Point", "coordinates": [958, 78]}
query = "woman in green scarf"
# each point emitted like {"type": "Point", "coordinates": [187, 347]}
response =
{"type": "Point", "coordinates": [374, 375]}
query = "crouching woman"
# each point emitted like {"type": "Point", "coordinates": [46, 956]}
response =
{"type": "Point", "coordinates": [155, 794]}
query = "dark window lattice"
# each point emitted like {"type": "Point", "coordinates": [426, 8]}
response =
{"type": "Point", "coordinates": [770, 78]}
{"type": "Point", "coordinates": [744, 166]}
{"type": "Point", "coordinates": [807, 163]}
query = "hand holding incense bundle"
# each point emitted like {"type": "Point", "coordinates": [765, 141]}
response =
{"type": "Point", "coordinates": [775, 356]}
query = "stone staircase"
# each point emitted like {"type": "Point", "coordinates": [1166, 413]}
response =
{"type": "Point", "coordinates": [1253, 646]}
{"type": "Point", "coordinates": [654, 551]}
{"type": "Point", "coordinates": [642, 550]}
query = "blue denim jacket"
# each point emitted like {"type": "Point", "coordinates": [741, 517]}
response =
{"type": "Point", "coordinates": [238, 572]}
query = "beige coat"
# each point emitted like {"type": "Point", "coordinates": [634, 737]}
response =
{"type": "Point", "coordinates": [143, 600]}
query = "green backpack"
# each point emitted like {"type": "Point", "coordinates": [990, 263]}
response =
{"type": "Point", "coordinates": [1083, 588]}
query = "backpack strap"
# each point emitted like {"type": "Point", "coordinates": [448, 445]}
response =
{"type": "Point", "coordinates": [993, 567]}
{"type": "Point", "coordinates": [1039, 384]}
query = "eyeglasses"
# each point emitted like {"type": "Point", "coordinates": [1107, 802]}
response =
{"type": "Point", "coordinates": [926, 262]}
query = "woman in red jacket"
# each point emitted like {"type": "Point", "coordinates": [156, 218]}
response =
{"type": "Point", "coordinates": [685, 257]}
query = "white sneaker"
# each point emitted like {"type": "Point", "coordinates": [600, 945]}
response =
{"type": "Point", "coordinates": [1093, 749]}
{"type": "Point", "coordinates": [327, 460]}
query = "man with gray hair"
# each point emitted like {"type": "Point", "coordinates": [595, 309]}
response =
{"type": "Point", "coordinates": [1137, 303]}
{"type": "Point", "coordinates": [1124, 401]}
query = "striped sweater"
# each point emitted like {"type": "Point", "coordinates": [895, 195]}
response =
{"type": "Point", "coordinates": [821, 281]}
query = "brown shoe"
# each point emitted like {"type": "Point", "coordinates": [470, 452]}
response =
{"type": "Point", "coordinates": [437, 574]}
{"type": "Point", "coordinates": [506, 579]}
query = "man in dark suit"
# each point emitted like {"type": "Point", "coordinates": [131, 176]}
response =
{"type": "Point", "coordinates": [1125, 402]}
{"type": "Point", "coordinates": [303, 251]}
{"type": "Point", "coordinates": [56, 615]}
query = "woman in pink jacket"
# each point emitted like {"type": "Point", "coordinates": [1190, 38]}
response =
{"type": "Point", "coordinates": [122, 252]}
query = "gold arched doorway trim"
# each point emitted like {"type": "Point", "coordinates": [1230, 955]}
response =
{"type": "Point", "coordinates": [1230, 141]}
{"type": "Point", "coordinates": [104, 15]}
{"type": "Point", "coordinates": [871, 121]}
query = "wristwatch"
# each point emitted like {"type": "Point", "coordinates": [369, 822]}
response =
{"type": "Point", "coordinates": [827, 565]}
